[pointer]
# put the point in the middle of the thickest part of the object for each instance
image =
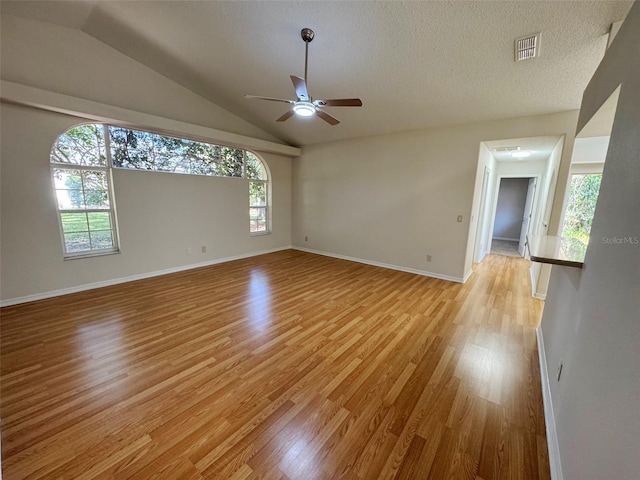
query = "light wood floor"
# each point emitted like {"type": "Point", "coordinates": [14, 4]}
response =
{"type": "Point", "coordinates": [287, 365]}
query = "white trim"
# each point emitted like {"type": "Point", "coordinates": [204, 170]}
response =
{"type": "Point", "coordinates": [467, 275]}
{"type": "Point", "coordinates": [103, 113]}
{"type": "Point", "coordinates": [534, 287]}
{"type": "Point", "coordinates": [131, 278]}
{"type": "Point", "coordinates": [552, 435]}
{"type": "Point", "coordinates": [383, 265]}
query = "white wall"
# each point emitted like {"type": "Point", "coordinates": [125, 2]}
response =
{"type": "Point", "coordinates": [512, 195]}
{"type": "Point", "coordinates": [395, 198]}
{"type": "Point", "coordinates": [522, 169]}
{"type": "Point", "coordinates": [586, 168]}
{"type": "Point", "coordinates": [596, 405]}
{"type": "Point", "coordinates": [549, 213]}
{"type": "Point", "coordinates": [159, 214]}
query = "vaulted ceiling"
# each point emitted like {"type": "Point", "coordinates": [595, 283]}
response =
{"type": "Point", "coordinates": [415, 65]}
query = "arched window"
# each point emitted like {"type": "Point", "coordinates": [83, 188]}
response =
{"type": "Point", "coordinates": [82, 183]}
{"type": "Point", "coordinates": [81, 162]}
{"type": "Point", "coordinates": [258, 194]}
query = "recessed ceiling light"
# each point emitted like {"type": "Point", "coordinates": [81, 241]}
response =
{"type": "Point", "coordinates": [521, 154]}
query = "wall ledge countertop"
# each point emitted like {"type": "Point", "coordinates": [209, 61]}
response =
{"type": "Point", "coordinates": [564, 251]}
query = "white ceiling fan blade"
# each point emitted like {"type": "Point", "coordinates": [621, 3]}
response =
{"type": "Point", "coordinates": [301, 88]}
{"type": "Point", "coordinates": [271, 99]}
{"type": "Point", "coordinates": [326, 117]}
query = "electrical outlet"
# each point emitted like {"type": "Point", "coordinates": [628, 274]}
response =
{"type": "Point", "coordinates": [559, 371]}
{"type": "Point", "coordinates": [189, 251]}
{"type": "Point", "coordinates": [203, 248]}
{"type": "Point", "coordinates": [459, 218]}
{"type": "Point", "coordinates": [428, 258]}
{"type": "Point", "coordinates": [306, 239]}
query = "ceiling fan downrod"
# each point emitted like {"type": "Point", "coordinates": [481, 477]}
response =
{"type": "Point", "coordinates": [307, 35]}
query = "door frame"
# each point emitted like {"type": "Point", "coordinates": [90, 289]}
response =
{"type": "Point", "coordinates": [479, 252]}
{"type": "Point", "coordinates": [530, 201]}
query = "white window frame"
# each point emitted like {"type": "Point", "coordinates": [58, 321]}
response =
{"type": "Point", "coordinates": [267, 206]}
{"type": "Point", "coordinates": [93, 252]}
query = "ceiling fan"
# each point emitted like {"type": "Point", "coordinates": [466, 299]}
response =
{"type": "Point", "coordinates": [305, 105]}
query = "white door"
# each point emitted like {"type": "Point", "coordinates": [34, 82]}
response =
{"type": "Point", "coordinates": [526, 219]}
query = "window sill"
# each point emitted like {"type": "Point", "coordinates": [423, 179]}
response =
{"type": "Point", "coordinates": [259, 234]}
{"type": "Point", "coordinates": [90, 255]}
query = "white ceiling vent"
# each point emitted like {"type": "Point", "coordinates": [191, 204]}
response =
{"type": "Point", "coordinates": [505, 149]}
{"type": "Point", "coordinates": [527, 47]}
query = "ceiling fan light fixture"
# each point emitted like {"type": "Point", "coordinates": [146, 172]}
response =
{"type": "Point", "coordinates": [304, 109]}
{"type": "Point", "coordinates": [305, 106]}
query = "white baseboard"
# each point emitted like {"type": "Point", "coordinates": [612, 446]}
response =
{"type": "Point", "coordinates": [534, 284]}
{"type": "Point", "coordinates": [131, 278]}
{"type": "Point", "coordinates": [467, 275]}
{"type": "Point", "coordinates": [385, 265]}
{"type": "Point", "coordinates": [552, 435]}
{"type": "Point", "coordinates": [507, 239]}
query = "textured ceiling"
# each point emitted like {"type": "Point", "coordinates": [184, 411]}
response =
{"type": "Point", "coordinates": [414, 64]}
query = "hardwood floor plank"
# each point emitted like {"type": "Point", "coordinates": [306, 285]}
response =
{"type": "Point", "coordinates": [284, 366]}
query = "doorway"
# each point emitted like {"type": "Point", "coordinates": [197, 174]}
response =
{"type": "Point", "coordinates": [527, 158]}
{"type": "Point", "coordinates": [513, 214]}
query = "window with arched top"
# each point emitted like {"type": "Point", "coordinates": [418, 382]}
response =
{"type": "Point", "coordinates": [81, 163]}
{"type": "Point", "coordinates": [258, 194]}
{"type": "Point", "coordinates": [80, 168]}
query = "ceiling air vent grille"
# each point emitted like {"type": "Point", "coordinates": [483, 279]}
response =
{"type": "Point", "coordinates": [527, 47]}
{"type": "Point", "coordinates": [505, 149]}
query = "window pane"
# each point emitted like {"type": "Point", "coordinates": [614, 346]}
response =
{"type": "Point", "coordinates": [170, 154]}
{"type": "Point", "coordinates": [77, 242]}
{"type": "Point", "coordinates": [68, 188]}
{"type": "Point", "coordinates": [70, 199]}
{"type": "Point", "coordinates": [102, 239]}
{"type": "Point", "coordinates": [175, 164]}
{"type": "Point", "coordinates": [131, 148]}
{"type": "Point", "coordinates": [231, 161]}
{"type": "Point", "coordinates": [82, 145]}
{"type": "Point", "coordinates": [97, 199]}
{"type": "Point", "coordinates": [94, 180]}
{"type": "Point", "coordinates": [95, 189]}
{"type": "Point", "coordinates": [99, 221]}
{"type": "Point", "coordinates": [258, 219]}
{"type": "Point", "coordinates": [257, 194]}
{"type": "Point", "coordinates": [67, 179]}
{"type": "Point", "coordinates": [204, 167]}
{"type": "Point", "coordinates": [581, 206]}
{"type": "Point", "coordinates": [74, 222]}
{"type": "Point", "coordinates": [255, 169]}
